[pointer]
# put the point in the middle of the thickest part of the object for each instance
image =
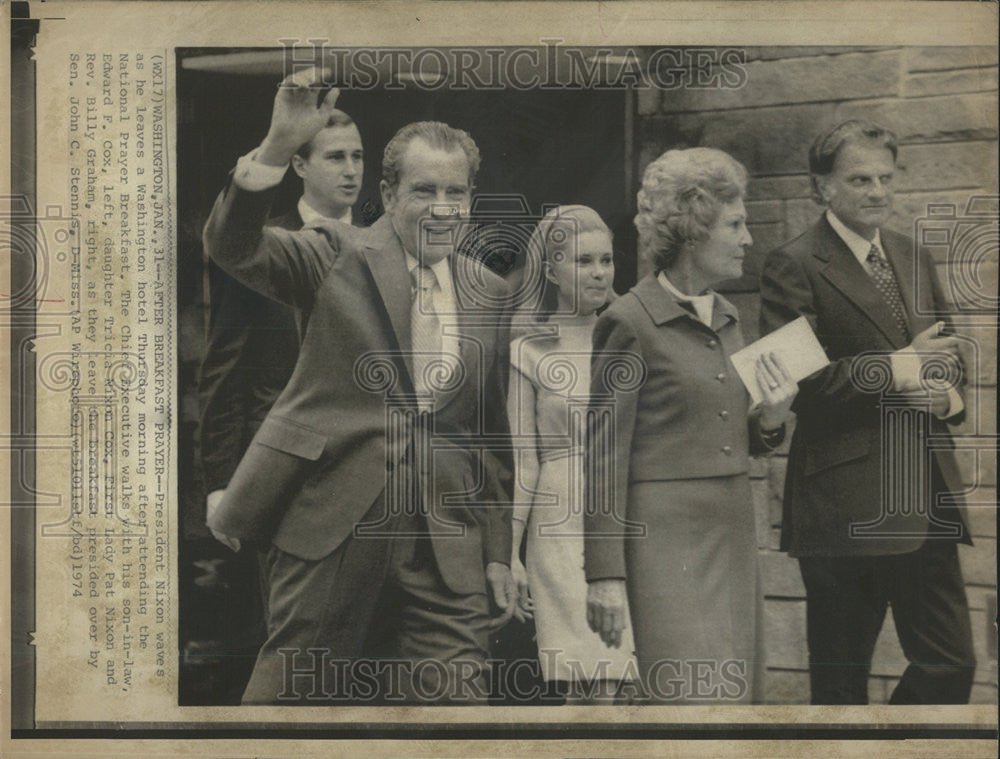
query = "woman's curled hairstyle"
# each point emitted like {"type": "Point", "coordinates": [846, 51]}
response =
{"type": "Point", "coordinates": [680, 197]}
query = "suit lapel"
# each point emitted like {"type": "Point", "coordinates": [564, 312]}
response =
{"type": "Point", "coordinates": [901, 261]}
{"type": "Point", "coordinates": [467, 342]}
{"type": "Point", "coordinates": [387, 263]}
{"type": "Point", "coordinates": [660, 306]}
{"type": "Point", "coordinates": [843, 271]}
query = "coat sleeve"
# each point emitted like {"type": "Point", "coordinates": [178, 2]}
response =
{"type": "Point", "coordinates": [284, 265]}
{"type": "Point", "coordinates": [497, 461]}
{"type": "Point", "coordinates": [785, 295]}
{"type": "Point", "coordinates": [943, 311]}
{"type": "Point", "coordinates": [521, 413]}
{"type": "Point", "coordinates": [617, 370]}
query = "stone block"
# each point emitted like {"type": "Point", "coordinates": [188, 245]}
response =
{"type": "Point", "coordinates": [766, 140]}
{"type": "Point", "coordinates": [981, 513]}
{"type": "Point", "coordinates": [808, 79]}
{"type": "Point", "coordinates": [953, 211]}
{"type": "Point", "coordinates": [982, 363]}
{"type": "Point", "coordinates": [758, 488]}
{"type": "Point", "coordinates": [782, 686]}
{"type": "Point", "coordinates": [649, 151]}
{"type": "Point", "coordinates": [775, 541]}
{"type": "Point", "coordinates": [984, 643]}
{"type": "Point", "coordinates": [944, 58]}
{"type": "Point", "coordinates": [764, 211]}
{"type": "Point", "coordinates": [950, 82]}
{"type": "Point", "coordinates": [800, 215]}
{"type": "Point", "coordinates": [947, 118]}
{"type": "Point", "coordinates": [785, 634]}
{"type": "Point", "coordinates": [648, 100]}
{"type": "Point", "coordinates": [980, 293]}
{"type": "Point", "coordinates": [980, 419]}
{"type": "Point", "coordinates": [978, 466]}
{"type": "Point", "coordinates": [780, 576]}
{"type": "Point", "coordinates": [982, 599]}
{"type": "Point", "coordinates": [972, 289]}
{"type": "Point", "coordinates": [766, 237]}
{"type": "Point", "coordinates": [776, 482]}
{"type": "Point", "coordinates": [758, 468]}
{"type": "Point", "coordinates": [986, 673]}
{"type": "Point", "coordinates": [979, 563]}
{"type": "Point", "coordinates": [783, 187]}
{"type": "Point", "coordinates": [912, 210]}
{"type": "Point", "coordinates": [781, 52]}
{"type": "Point", "coordinates": [946, 166]}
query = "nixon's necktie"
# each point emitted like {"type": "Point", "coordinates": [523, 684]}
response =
{"type": "Point", "coordinates": [425, 331]}
{"type": "Point", "coordinates": [885, 280]}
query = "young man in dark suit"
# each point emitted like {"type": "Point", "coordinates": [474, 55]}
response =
{"type": "Point", "coordinates": [872, 485]}
{"type": "Point", "coordinates": [381, 476]}
{"type": "Point", "coordinates": [253, 340]}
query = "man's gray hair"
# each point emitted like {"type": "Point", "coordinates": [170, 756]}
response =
{"type": "Point", "coordinates": [438, 135]}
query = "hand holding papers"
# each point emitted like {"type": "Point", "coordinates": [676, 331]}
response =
{"type": "Point", "coordinates": [794, 344]}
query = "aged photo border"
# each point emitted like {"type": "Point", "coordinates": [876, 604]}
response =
{"type": "Point", "coordinates": [21, 564]}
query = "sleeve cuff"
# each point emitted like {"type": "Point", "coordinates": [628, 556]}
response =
{"type": "Point", "coordinates": [955, 404]}
{"type": "Point", "coordinates": [253, 176]}
{"type": "Point", "coordinates": [905, 369]}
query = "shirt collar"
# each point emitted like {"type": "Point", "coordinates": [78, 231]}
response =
{"type": "Point", "coordinates": [311, 217]}
{"type": "Point", "coordinates": [440, 269]}
{"type": "Point", "coordinates": [702, 303]}
{"type": "Point", "coordinates": [859, 246]}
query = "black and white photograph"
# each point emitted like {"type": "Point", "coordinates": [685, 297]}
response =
{"type": "Point", "coordinates": [523, 379]}
{"type": "Point", "coordinates": [634, 528]}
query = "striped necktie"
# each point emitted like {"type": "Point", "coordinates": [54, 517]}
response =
{"type": "Point", "coordinates": [885, 281]}
{"type": "Point", "coordinates": [425, 332]}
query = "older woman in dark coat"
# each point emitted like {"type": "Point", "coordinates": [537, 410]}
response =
{"type": "Point", "coordinates": [669, 516]}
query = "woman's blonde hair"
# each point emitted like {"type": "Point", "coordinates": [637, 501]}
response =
{"type": "Point", "coordinates": [554, 236]}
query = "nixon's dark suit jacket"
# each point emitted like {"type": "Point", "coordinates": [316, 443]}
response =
{"type": "Point", "coordinates": [252, 346]}
{"type": "Point", "coordinates": [835, 467]}
{"type": "Point", "coordinates": [323, 455]}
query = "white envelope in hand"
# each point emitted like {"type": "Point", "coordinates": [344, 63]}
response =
{"type": "Point", "coordinates": [796, 346]}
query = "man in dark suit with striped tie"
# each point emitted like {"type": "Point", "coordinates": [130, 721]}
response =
{"type": "Point", "coordinates": [381, 477]}
{"type": "Point", "coordinates": [872, 506]}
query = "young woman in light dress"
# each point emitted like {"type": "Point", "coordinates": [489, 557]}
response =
{"type": "Point", "coordinates": [571, 254]}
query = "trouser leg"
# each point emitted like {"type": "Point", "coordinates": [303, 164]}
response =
{"type": "Point", "coordinates": [845, 608]}
{"type": "Point", "coordinates": [929, 607]}
{"type": "Point", "coordinates": [319, 615]}
{"type": "Point", "coordinates": [443, 636]}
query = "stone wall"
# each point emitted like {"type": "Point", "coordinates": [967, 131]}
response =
{"type": "Point", "coordinates": [942, 103]}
